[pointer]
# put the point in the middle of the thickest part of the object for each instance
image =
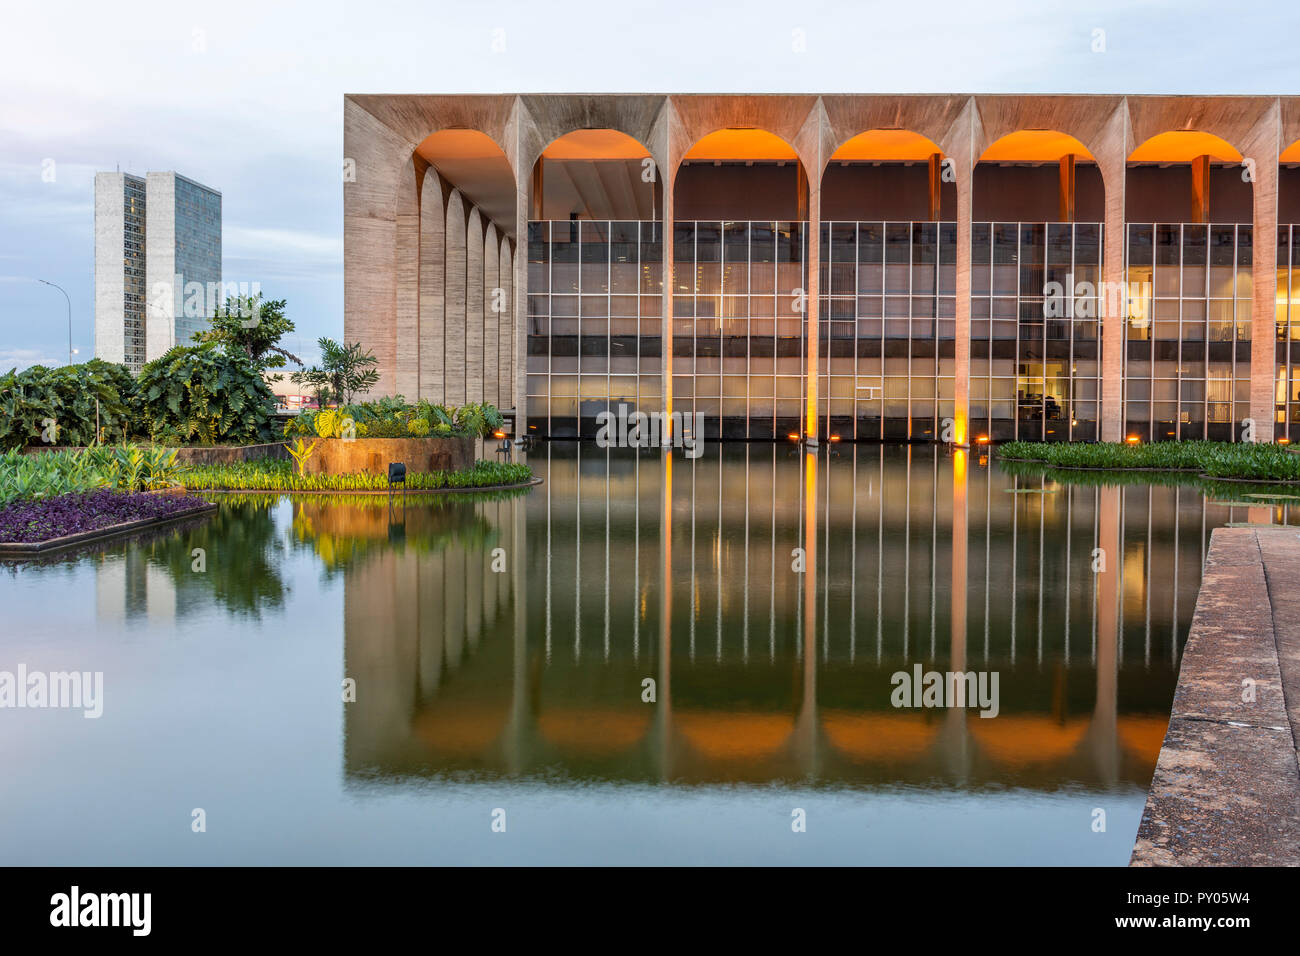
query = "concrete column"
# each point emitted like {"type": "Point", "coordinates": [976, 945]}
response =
{"type": "Point", "coordinates": [519, 294]}
{"type": "Point", "coordinates": [1066, 204]}
{"type": "Point", "coordinates": [813, 308]}
{"type": "Point", "coordinates": [491, 302]}
{"type": "Point", "coordinates": [1201, 189]}
{"type": "Point", "coordinates": [407, 270]}
{"type": "Point", "coordinates": [506, 328]}
{"type": "Point", "coordinates": [433, 277]}
{"type": "Point", "coordinates": [1111, 153]}
{"type": "Point", "coordinates": [1262, 149]}
{"type": "Point", "coordinates": [454, 361]}
{"type": "Point", "coordinates": [936, 186]}
{"type": "Point", "coordinates": [962, 154]}
{"type": "Point", "coordinates": [369, 237]}
{"type": "Point", "coordinates": [669, 177]}
{"type": "Point", "coordinates": [474, 306]}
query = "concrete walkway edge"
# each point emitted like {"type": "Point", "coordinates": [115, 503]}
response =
{"type": "Point", "coordinates": [1226, 789]}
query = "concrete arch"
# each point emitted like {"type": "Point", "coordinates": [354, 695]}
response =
{"type": "Point", "coordinates": [600, 171]}
{"type": "Point", "coordinates": [1050, 196]}
{"type": "Point", "coordinates": [748, 144]}
{"type": "Point", "coordinates": [477, 166]}
{"type": "Point", "coordinates": [545, 119]}
{"type": "Point", "coordinates": [433, 276]}
{"type": "Point", "coordinates": [895, 194]}
{"type": "Point", "coordinates": [454, 374]}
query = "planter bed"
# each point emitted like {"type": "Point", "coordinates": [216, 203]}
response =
{"type": "Point", "coordinates": [80, 518]}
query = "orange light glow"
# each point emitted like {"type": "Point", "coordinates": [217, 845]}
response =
{"type": "Point", "coordinates": [1183, 146]}
{"type": "Point", "coordinates": [885, 146]}
{"type": "Point", "coordinates": [835, 438]}
{"type": "Point", "coordinates": [1284, 441]}
{"type": "Point", "coordinates": [1034, 146]}
{"type": "Point", "coordinates": [595, 144]}
{"type": "Point", "coordinates": [983, 439]}
{"type": "Point", "coordinates": [1133, 439]}
{"type": "Point", "coordinates": [731, 145]}
{"type": "Point", "coordinates": [498, 434]}
{"type": "Point", "coordinates": [793, 436]}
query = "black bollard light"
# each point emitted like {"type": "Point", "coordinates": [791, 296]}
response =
{"type": "Point", "coordinates": [396, 476]}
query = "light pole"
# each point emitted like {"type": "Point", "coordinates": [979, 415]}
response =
{"type": "Point", "coordinates": [69, 298]}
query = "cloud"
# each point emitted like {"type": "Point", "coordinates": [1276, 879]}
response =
{"type": "Point", "coordinates": [26, 358]}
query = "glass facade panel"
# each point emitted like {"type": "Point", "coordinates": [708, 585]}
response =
{"type": "Point", "coordinates": [1034, 320]}
{"type": "Point", "coordinates": [1187, 337]}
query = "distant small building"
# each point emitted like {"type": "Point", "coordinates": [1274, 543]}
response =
{"type": "Point", "coordinates": [157, 263]}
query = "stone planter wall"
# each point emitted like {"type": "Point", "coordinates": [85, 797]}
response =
{"type": "Point", "coordinates": [337, 456]}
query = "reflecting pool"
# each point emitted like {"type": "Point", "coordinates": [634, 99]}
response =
{"type": "Point", "coordinates": [643, 660]}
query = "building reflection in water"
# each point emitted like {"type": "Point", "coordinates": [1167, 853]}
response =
{"type": "Point", "coordinates": [762, 672]}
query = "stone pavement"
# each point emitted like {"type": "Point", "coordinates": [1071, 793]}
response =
{"type": "Point", "coordinates": [1226, 789]}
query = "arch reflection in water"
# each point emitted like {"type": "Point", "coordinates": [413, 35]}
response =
{"type": "Point", "coordinates": [911, 556]}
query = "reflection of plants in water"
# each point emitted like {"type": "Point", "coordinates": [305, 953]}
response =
{"type": "Point", "coordinates": [1221, 491]}
{"type": "Point", "coordinates": [345, 529]}
{"type": "Point", "coordinates": [241, 556]}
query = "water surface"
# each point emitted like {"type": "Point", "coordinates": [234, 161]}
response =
{"type": "Point", "coordinates": [521, 689]}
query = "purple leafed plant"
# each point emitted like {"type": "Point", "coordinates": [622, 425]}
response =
{"type": "Point", "coordinates": [40, 519]}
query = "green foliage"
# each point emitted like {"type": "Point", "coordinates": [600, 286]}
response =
{"type": "Point", "coordinates": [201, 393]}
{"type": "Point", "coordinates": [247, 326]}
{"type": "Point", "coordinates": [1257, 462]}
{"type": "Point", "coordinates": [273, 475]}
{"type": "Point", "coordinates": [394, 418]}
{"type": "Point", "coordinates": [344, 371]}
{"type": "Point", "coordinates": [122, 467]}
{"type": "Point", "coordinates": [326, 423]}
{"type": "Point", "coordinates": [470, 419]}
{"type": "Point", "coordinates": [300, 451]}
{"type": "Point", "coordinates": [67, 396]}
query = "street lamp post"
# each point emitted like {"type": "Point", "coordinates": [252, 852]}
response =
{"type": "Point", "coordinates": [69, 298]}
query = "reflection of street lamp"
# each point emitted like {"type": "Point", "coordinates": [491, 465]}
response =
{"type": "Point", "coordinates": [69, 298]}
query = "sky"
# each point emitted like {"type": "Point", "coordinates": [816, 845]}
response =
{"type": "Point", "coordinates": [248, 98]}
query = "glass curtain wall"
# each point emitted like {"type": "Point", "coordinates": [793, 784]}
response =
{"type": "Point", "coordinates": [738, 345]}
{"type": "Point", "coordinates": [595, 294]}
{"type": "Point", "coordinates": [1187, 331]}
{"type": "Point", "coordinates": [1035, 367]}
{"type": "Point", "coordinates": [1288, 332]}
{"type": "Point", "coordinates": [888, 329]}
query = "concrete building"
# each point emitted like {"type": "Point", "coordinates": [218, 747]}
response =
{"type": "Point", "coordinates": [940, 267]}
{"type": "Point", "coordinates": [157, 263]}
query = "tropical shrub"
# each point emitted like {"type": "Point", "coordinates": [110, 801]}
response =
{"type": "Point", "coordinates": [393, 417]}
{"type": "Point", "coordinates": [203, 393]}
{"type": "Point", "coordinates": [300, 451]}
{"type": "Point", "coordinates": [71, 398]}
